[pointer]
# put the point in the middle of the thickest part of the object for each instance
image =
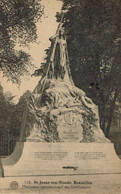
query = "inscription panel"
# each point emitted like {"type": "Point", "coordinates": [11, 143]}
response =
{"type": "Point", "coordinates": [51, 155]}
{"type": "Point", "coordinates": [89, 155]}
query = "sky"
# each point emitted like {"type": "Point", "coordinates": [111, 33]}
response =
{"type": "Point", "coordinates": [45, 29]}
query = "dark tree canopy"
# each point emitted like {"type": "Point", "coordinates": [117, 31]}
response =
{"type": "Point", "coordinates": [93, 31]}
{"type": "Point", "coordinates": [6, 110]}
{"type": "Point", "coordinates": [17, 26]}
{"type": "Point", "coordinates": [11, 115]}
{"type": "Point", "coordinates": [18, 113]}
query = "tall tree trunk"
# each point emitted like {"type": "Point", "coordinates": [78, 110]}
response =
{"type": "Point", "coordinates": [1, 169]}
{"type": "Point", "coordinates": [103, 125]}
{"type": "Point", "coordinates": [103, 116]}
{"type": "Point", "coordinates": [102, 112]}
{"type": "Point", "coordinates": [111, 113]}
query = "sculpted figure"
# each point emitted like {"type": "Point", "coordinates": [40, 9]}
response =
{"type": "Point", "coordinates": [60, 111]}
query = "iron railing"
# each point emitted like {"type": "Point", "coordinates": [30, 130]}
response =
{"type": "Point", "coordinates": [7, 144]}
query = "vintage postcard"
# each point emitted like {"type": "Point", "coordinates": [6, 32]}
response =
{"type": "Point", "coordinates": [60, 96]}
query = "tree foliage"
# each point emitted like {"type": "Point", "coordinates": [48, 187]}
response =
{"type": "Point", "coordinates": [17, 26]}
{"type": "Point", "coordinates": [11, 115]}
{"type": "Point", "coordinates": [6, 110]}
{"type": "Point", "coordinates": [17, 115]}
{"type": "Point", "coordinates": [93, 31]}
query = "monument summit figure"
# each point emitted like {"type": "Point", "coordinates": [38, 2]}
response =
{"type": "Point", "coordinates": [60, 111]}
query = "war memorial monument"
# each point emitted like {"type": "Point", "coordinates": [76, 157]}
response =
{"type": "Point", "coordinates": [64, 137]}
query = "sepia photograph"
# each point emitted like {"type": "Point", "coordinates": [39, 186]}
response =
{"type": "Point", "coordinates": [60, 96]}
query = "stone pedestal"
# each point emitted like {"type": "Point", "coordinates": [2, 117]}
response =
{"type": "Point", "coordinates": [36, 158]}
